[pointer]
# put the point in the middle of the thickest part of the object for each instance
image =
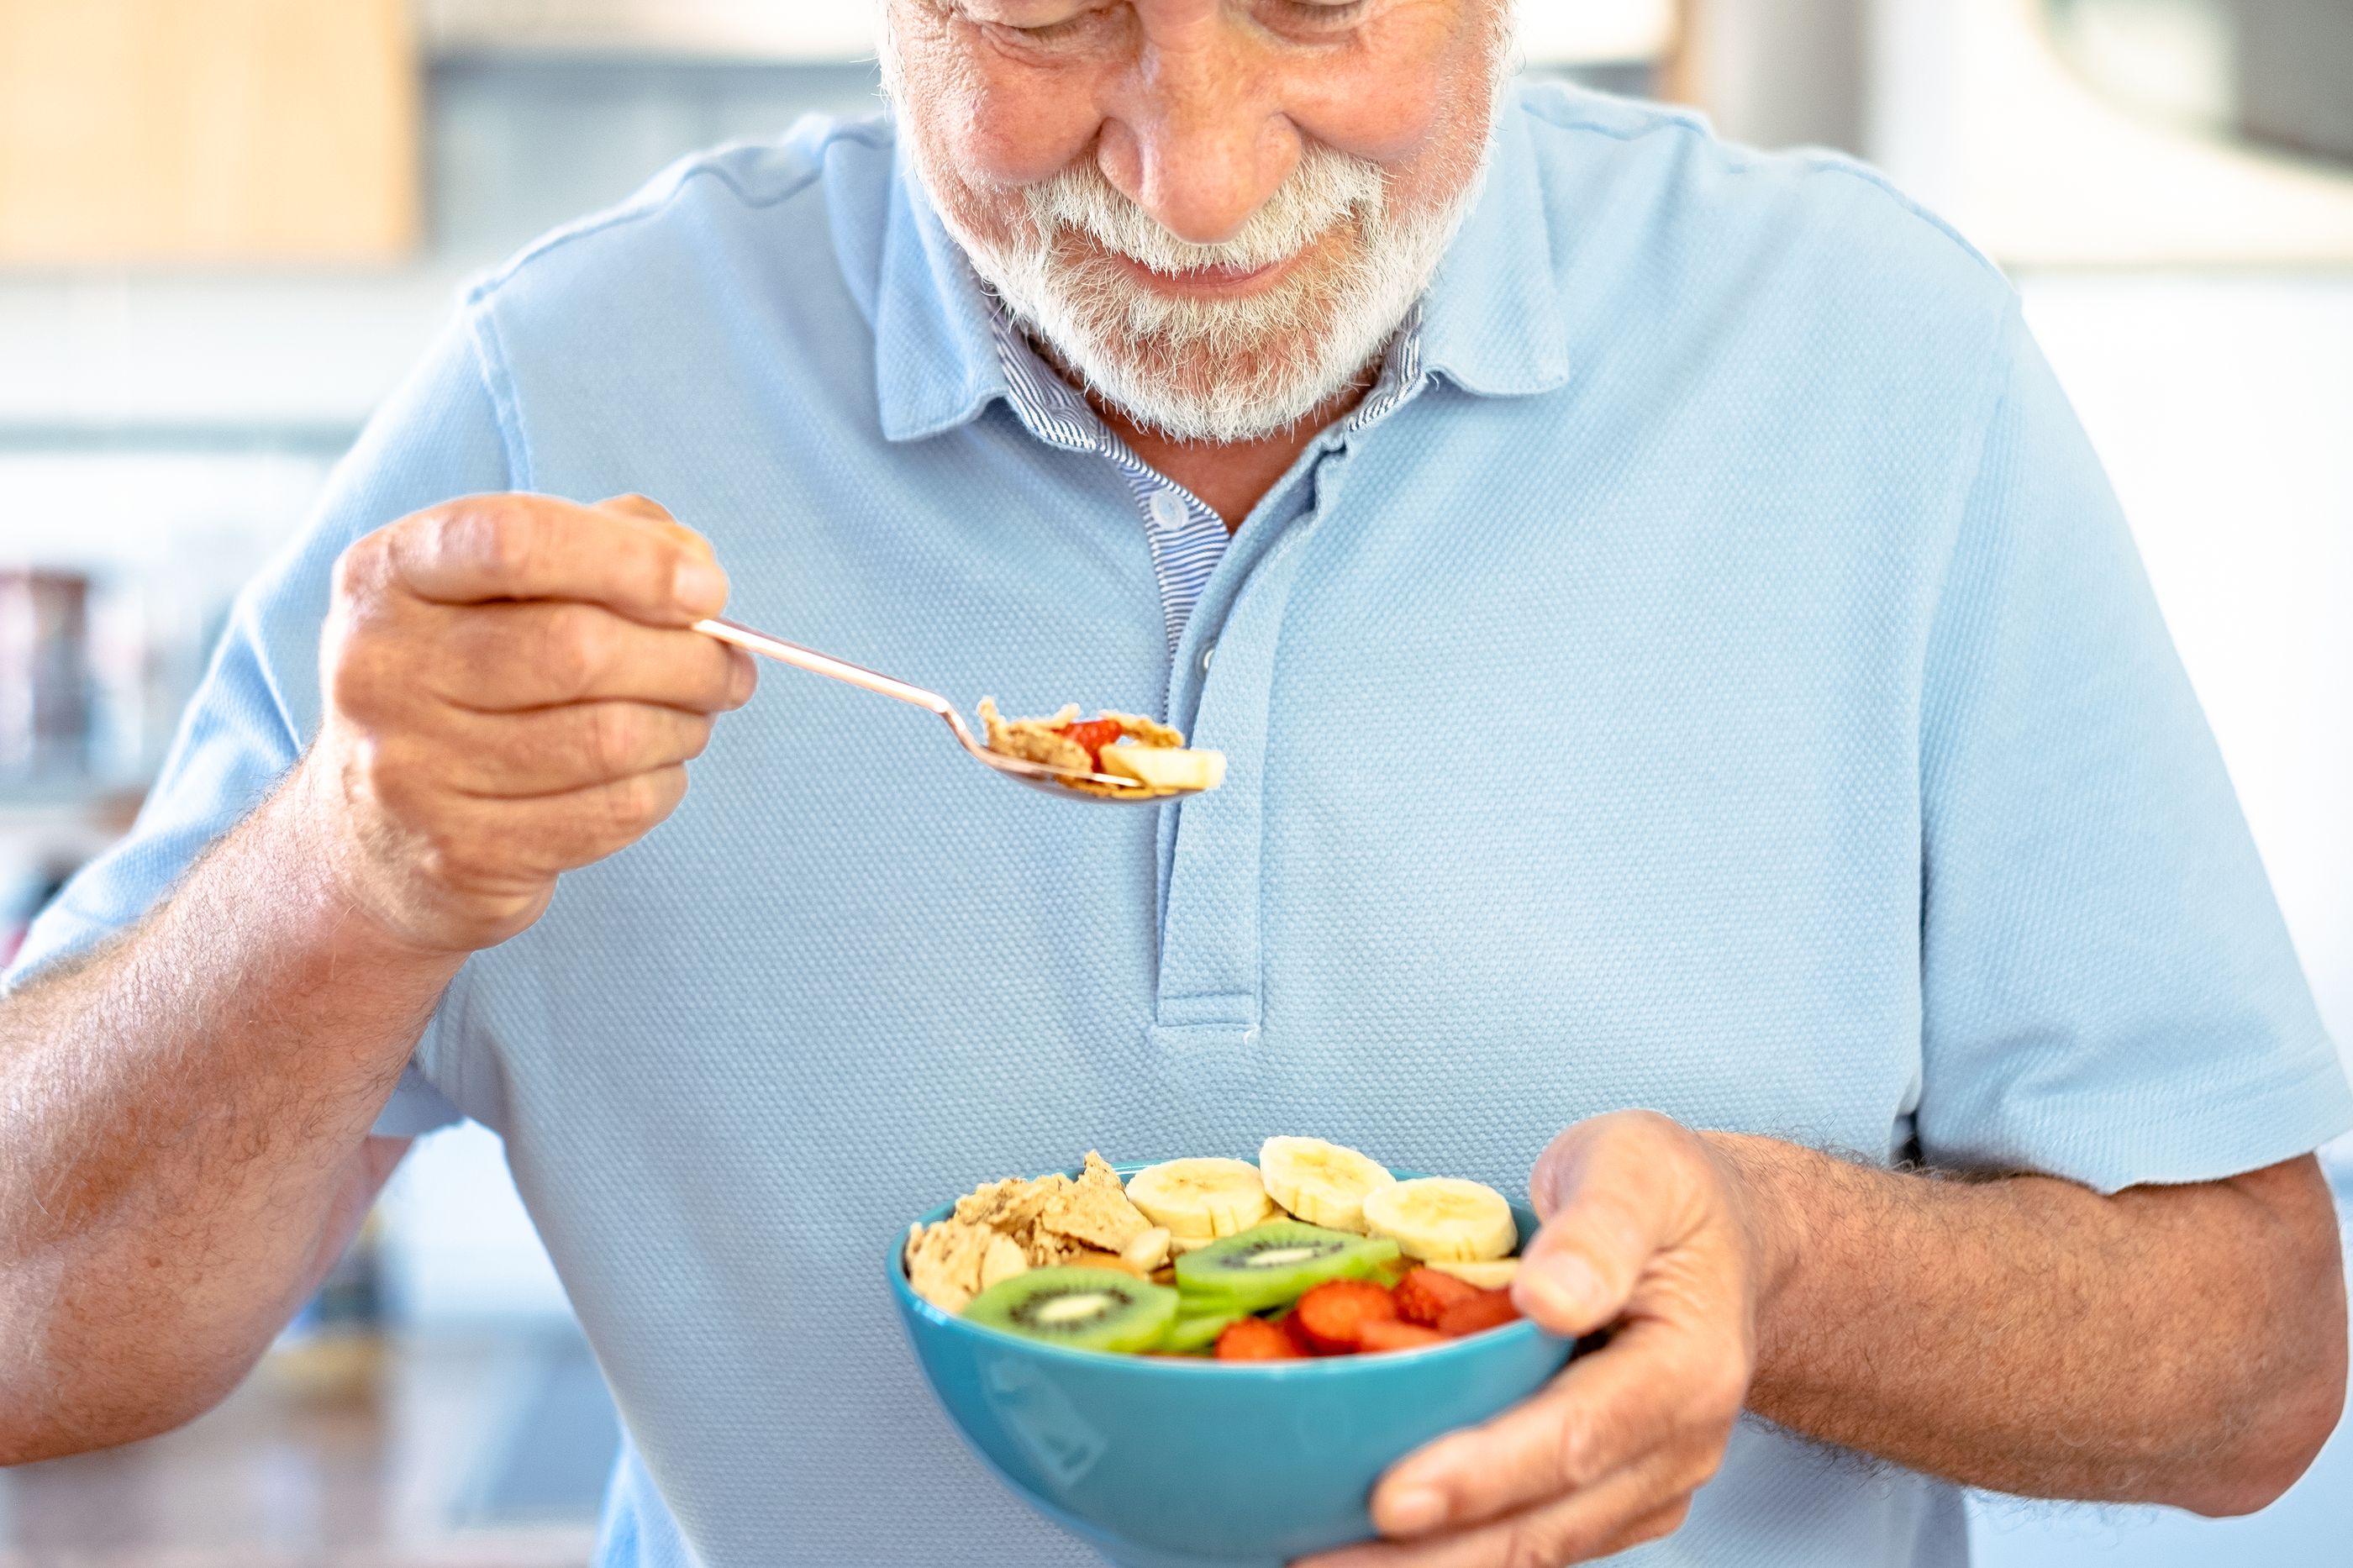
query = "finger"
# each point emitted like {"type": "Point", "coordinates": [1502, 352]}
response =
{"type": "Point", "coordinates": [1658, 1389]}
{"type": "Point", "coordinates": [548, 750]}
{"type": "Point", "coordinates": [1615, 1192]}
{"type": "Point", "coordinates": [554, 834]}
{"type": "Point", "coordinates": [491, 548]}
{"type": "Point", "coordinates": [1656, 1525]}
{"type": "Point", "coordinates": [645, 508]}
{"type": "Point", "coordinates": [638, 506]}
{"type": "Point", "coordinates": [1579, 1529]}
{"type": "Point", "coordinates": [504, 657]}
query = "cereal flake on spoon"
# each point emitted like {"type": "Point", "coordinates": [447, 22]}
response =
{"type": "Point", "coordinates": [1121, 745]}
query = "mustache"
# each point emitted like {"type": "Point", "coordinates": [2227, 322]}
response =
{"type": "Point", "coordinates": [1326, 190]}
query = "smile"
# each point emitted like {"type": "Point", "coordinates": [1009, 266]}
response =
{"type": "Point", "coordinates": [1211, 282]}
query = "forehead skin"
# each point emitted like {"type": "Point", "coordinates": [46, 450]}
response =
{"type": "Point", "coordinates": [1198, 108]}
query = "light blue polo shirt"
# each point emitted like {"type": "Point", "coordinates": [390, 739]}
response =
{"type": "Point", "coordinates": [1719, 681]}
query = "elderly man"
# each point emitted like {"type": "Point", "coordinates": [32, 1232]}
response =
{"type": "Point", "coordinates": [1675, 651]}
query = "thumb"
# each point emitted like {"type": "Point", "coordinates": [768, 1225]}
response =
{"type": "Point", "coordinates": [1607, 1192]}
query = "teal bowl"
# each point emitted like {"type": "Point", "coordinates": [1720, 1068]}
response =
{"type": "Point", "coordinates": [1167, 1463]}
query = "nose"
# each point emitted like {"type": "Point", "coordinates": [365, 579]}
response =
{"type": "Point", "coordinates": [1201, 143]}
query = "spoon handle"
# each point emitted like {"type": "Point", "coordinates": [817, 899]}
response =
{"type": "Point", "coordinates": [817, 663]}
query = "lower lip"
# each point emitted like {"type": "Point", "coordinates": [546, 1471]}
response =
{"type": "Point", "coordinates": [1209, 281]}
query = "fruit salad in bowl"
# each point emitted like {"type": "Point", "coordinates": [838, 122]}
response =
{"type": "Point", "coordinates": [1211, 1361]}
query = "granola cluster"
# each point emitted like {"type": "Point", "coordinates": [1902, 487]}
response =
{"type": "Point", "coordinates": [1010, 1226]}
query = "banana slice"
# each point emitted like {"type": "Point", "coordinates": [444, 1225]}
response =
{"type": "Point", "coordinates": [1166, 767]}
{"type": "Point", "coordinates": [1002, 1261]}
{"type": "Point", "coordinates": [1200, 1200]}
{"type": "Point", "coordinates": [1495, 1274]}
{"type": "Point", "coordinates": [1149, 1251]}
{"type": "Point", "coordinates": [1320, 1182]}
{"type": "Point", "coordinates": [1441, 1218]}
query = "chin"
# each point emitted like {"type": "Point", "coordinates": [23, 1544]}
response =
{"type": "Point", "coordinates": [1233, 385]}
{"type": "Point", "coordinates": [1223, 415]}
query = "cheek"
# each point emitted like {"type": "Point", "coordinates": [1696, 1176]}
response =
{"type": "Point", "coordinates": [1003, 123]}
{"type": "Point", "coordinates": [985, 127]}
{"type": "Point", "coordinates": [1416, 105]}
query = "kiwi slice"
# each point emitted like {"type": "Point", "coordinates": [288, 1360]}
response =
{"type": "Point", "coordinates": [1085, 1309]}
{"type": "Point", "coordinates": [1197, 1331]}
{"type": "Point", "coordinates": [1271, 1264]}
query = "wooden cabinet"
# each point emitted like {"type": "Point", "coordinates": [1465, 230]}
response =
{"type": "Point", "coordinates": [206, 131]}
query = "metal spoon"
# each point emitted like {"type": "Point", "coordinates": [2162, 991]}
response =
{"type": "Point", "coordinates": [1037, 775]}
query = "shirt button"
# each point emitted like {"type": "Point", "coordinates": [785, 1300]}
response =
{"type": "Point", "coordinates": [1168, 510]}
{"type": "Point", "coordinates": [1207, 654]}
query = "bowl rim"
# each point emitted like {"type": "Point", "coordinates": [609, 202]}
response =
{"type": "Point", "coordinates": [896, 1265]}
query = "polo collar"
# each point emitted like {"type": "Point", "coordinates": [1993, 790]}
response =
{"type": "Point", "coordinates": [935, 362]}
{"type": "Point", "coordinates": [1491, 322]}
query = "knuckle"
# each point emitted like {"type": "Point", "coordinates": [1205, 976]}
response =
{"type": "Point", "coordinates": [655, 571]}
{"type": "Point", "coordinates": [504, 537]}
{"type": "Point", "coordinates": [632, 805]}
{"type": "Point", "coordinates": [723, 678]}
{"type": "Point", "coordinates": [1576, 1460]}
{"type": "Point", "coordinates": [616, 739]}
{"type": "Point", "coordinates": [694, 738]}
{"type": "Point", "coordinates": [644, 505]}
{"type": "Point", "coordinates": [573, 654]}
{"type": "Point", "coordinates": [1647, 1123]}
{"type": "Point", "coordinates": [1528, 1544]}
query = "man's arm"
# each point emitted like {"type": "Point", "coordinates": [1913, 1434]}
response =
{"type": "Point", "coordinates": [512, 691]}
{"type": "Point", "coordinates": [2174, 1344]}
{"type": "Point", "coordinates": [2181, 1345]}
{"type": "Point", "coordinates": [184, 1141]}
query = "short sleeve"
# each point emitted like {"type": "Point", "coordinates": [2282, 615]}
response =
{"type": "Point", "coordinates": [258, 705]}
{"type": "Point", "coordinates": [2109, 991]}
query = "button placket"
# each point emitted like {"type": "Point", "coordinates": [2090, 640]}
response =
{"type": "Point", "coordinates": [1209, 959]}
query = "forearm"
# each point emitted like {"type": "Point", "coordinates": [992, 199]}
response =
{"type": "Point", "coordinates": [182, 1130]}
{"type": "Point", "coordinates": [2179, 1344]}
{"type": "Point", "coordinates": [511, 688]}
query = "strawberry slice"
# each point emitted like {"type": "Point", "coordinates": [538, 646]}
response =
{"type": "Point", "coordinates": [1424, 1294]}
{"type": "Point", "coordinates": [1334, 1314]}
{"type": "Point", "coordinates": [1486, 1310]}
{"type": "Point", "coordinates": [1254, 1339]}
{"type": "Point", "coordinates": [1095, 735]}
{"type": "Point", "coordinates": [1389, 1334]}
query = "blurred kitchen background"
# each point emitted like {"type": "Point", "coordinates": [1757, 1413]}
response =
{"type": "Point", "coordinates": [226, 226]}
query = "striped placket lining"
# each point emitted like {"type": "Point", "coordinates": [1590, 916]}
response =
{"type": "Point", "coordinates": [1188, 538]}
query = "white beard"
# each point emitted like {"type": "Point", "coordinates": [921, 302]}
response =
{"type": "Point", "coordinates": [1217, 370]}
